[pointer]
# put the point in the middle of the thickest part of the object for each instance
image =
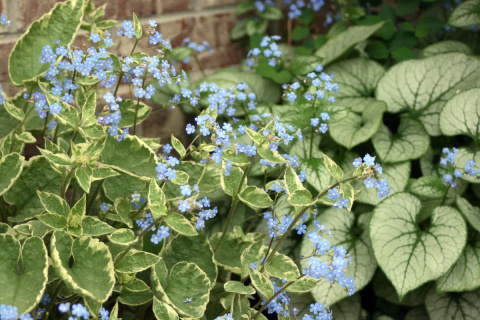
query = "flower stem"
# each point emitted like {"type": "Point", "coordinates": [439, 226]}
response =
{"type": "Point", "coordinates": [299, 215]}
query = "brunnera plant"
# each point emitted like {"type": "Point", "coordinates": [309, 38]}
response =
{"type": "Point", "coordinates": [103, 223]}
{"type": "Point", "coordinates": [415, 253]}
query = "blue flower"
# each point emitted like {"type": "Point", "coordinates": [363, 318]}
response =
{"type": "Point", "coordinates": [369, 160]}
{"type": "Point", "coordinates": [314, 121]}
{"type": "Point", "coordinates": [55, 108]}
{"type": "Point", "coordinates": [333, 194]}
{"type": "Point", "coordinates": [342, 203]}
{"type": "Point", "coordinates": [104, 207]}
{"type": "Point", "coordinates": [95, 37]}
{"type": "Point", "coordinates": [190, 129]}
{"type": "Point", "coordinates": [186, 190]}
{"type": "Point", "coordinates": [357, 162]}
{"type": "Point", "coordinates": [183, 205]}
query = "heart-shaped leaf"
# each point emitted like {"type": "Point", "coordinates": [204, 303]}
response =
{"type": "Point", "coordinates": [88, 255]}
{"type": "Point", "coordinates": [462, 306]}
{"type": "Point", "coordinates": [410, 142]}
{"type": "Point", "coordinates": [408, 255]}
{"type": "Point", "coordinates": [465, 273]}
{"type": "Point", "coordinates": [461, 115]}
{"type": "Point", "coordinates": [356, 128]}
{"type": "Point", "coordinates": [62, 23]}
{"type": "Point", "coordinates": [466, 14]}
{"type": "Point", "coordinates": [37, 175]}
{"type": "Point", "coordinates": [422, 87]}
{"type": "Point", "coordinates": [188, 281]}
{"type": "Point", "coordinates": [23, 272]}
{"type": "Point", "coordinates": [11, 167]}
{"type": "Point", "coordinates": [358, 79]}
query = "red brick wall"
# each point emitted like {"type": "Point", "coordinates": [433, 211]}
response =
{"type": "Point", "coordinates": [210, 20]}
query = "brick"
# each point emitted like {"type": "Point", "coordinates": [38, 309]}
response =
{"type": "Point", "coordinates": [123, 9]}
{"type": "Point", "coordinates": [214, 3]}
{"type": "Point", "coordinates": [165, 6]}
{"type": "Point", "coordinates": [7, 87]}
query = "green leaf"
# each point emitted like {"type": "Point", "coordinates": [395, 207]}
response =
{"type": "Point", "coordinates": [465, 273]}
{"type": "Point", "coordinates": [62, 23]}
{"type": "Point", "coordinates": [238, 287]}
{"type": "Point", "coordinates": [262, 283]}
{"type": "Point", "coordinates": [15, 112]}
{"type": "Point", "coordinates": [358, 79]}
{"type": "Point", "coordinates": [304, 64]}
{"type": "Point", "coordinates": [191, 249]}
{"type": "Point", "coordinates": [180, 224]}
{"type": "Point", "coordinates": [178, 146]}
{"type": "Point", "coordinates": [301, 198]}
{"type": "Point", "coordinates": [137, 27]}
{"type": "Point", "coordinates": [94, 227]}
{"type": "Point", "coordinates": [123, 237]}
{"type": "Point", "coordinates": [446, 46]}
{"type": "Point", "coordinates": [11, 167]}
{"type": "Point", "coordinates": [303, 285]}
{"type": "Point", "coordinates": [453, 306]}
{"type": "Point", "coordinates": [128, 107]}
{"type": "Point", "coordinates": [23, 272]}
{"type": "Point", "coordinates": [135, 159]}
{"type": "Point", "coordinates": [409, 256]}
{"type": "Point", "coordinates": [341, 43]}
{"type": "Point", "coordinates": [356, 129]}
{"type": "Point", "coordinates": [349, 308]}
{"type": "Point", "coordinates": [333, 168]}
{"type": "Point", "coordinates": [429, 187]}
{"type": "Point", "coordinates": [410, 142]}
{"type": "Point", "coordinates": [230, 184]}
{"type": "Point", "coordinates": [423, 86]}
{"type": "Point", "coordinates": [60, 159]}
{"type": "Point", "coordinates": [469, 212]}
{"type": "Point", "coordinates": [53, 220]}
{"type": "Point", "coordinates": [239, 30]}
{"type": "Point", "coordinates": [282, 267]}
{"type": "Point", "coordinates": [255, 197]}
{"type": "Point", "coordinates": [461, 114]}
{"type": "Point", "coordinates": [38, 175]}
{"type": "Point", "coordinates": [136, 261]}
{"type": "Point", "coordinates": [292, 181]}
{"type": "Point", "coordinates": [76, 216]}
{"type": "Point", "coordinates": [180, 53]}
{"type": "Point", "coordinates": [299, 33]}
{"type": "Point", "coordinates": [344, 225]}
{"type": "Point", "coordinates": [377, 50]}
{"type": "Point", "coordinates": [163, 311]}
{"type": "Point", "coordinates": [272, 12]}
{"type": "Point", "coordinates": [88, 254]}
{"type": "Point", "coordinates": [136, 294]}
{"type": "Point", "coordinates": [466, 14]}
{"type": "Point", "coordinates": [26, 137]}
{"type": "Point", "coordinates": [384, 289]}
{"type": "Point", "coordinates": [122, 207]}
{"type": "Point", "coordinates": [186, 281]}
{"type": "Point", "coordinates": [84, 177]}
{"type": "Point", "coordinates": [404, 7]}
{"type": "Point", "coordinates": [227, 254]}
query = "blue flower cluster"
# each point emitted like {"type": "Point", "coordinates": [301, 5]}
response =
{"type": "Point", "coordinates": [268, 49]}
{"type": "Point", "coordinates": [261, 5]}
{"type": "Point", "coordinates": [227, 316]}
{"type": "Point", "coordinates": [196, 47]}
{"type": "Point", "coordinates": [278, 226]}
{"type": "Point", "coordinates": [79, 311]}
{"type": "Point", "coordinates": [11, 313]}
{"type": "Point", "coordinates": [295, 6]}
{"type": "Point", "coordinates": [164, 168]}
{"type": "Point", "coordinates": [189, 203]}
{"type": "Point", "coordinates": [162, 233]}
{"type": "Point", "coordinates": [331, 271]}
{"type": "Point", "coordinates": [449, 162]}
{"type": "Point", "coordinates": [381, 186]}
{"type": "Point", "coordinates": [320, 83]}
